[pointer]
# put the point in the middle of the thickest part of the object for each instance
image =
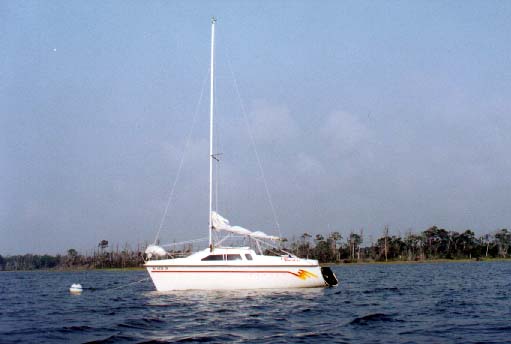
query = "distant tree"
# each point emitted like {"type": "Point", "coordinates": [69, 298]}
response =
{"type": "Point", "coordinates": [354, 242]}
{"type": "Point", "coordinates": [414, 246]}
{"type": "Point", "coordinates": [361, 239]}
{"type": "Point", "coordinates": [334, 240]}
{"type": "Point", "coordinates": [503, 241]}
{"type": "Point", "coordinates": [385, 241]}
{"type": "Point", "coordinates": [306, 236]}
{"type": "Point", "coordinates": [486, 240]}
{"type": "Point", "coordinates": [304, 248]}
{"type": "Point", "coordinates": [322, 250]}
{"type": "Point", "coordinates": [283, 242]}
{"type": "Point", "coordinates": [48, 262]}
{"type": "Point", "coordinates": [72, 257]}
{"type": "Point", "coordinates": [468, 243]}
{"type": "Point", "coordinates": [103, 244]}
{"type": "Point", "coordinates": [393, 247]}
{"type": "Point", "coordinates": [437, 241]}
{"type": "Point", "coordinates": [396, 247]}
{"type": "Point", "coordinates": [488, 246]}
{"type": "Point", "coordinates": [319, 238]}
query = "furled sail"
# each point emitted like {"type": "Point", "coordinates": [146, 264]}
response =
{"type": "Point", "coordinates": [220, 223]}
{"type": "Point", "coordinates": [154, 250]}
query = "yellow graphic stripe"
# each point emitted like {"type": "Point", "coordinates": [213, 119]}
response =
{"type": "Point", "coordinates": [304, 274]}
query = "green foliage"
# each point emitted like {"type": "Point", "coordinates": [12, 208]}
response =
{"type": "Point", "coordinates": [503, 241]}
{"type": "Point", "coordinates": [125, 258]}
{"type": "Point", "coordinates": [432, 243]}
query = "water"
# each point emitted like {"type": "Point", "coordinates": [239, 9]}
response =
{"type": "Point", "coordinates": [416, 303]}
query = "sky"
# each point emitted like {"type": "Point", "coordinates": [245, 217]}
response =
{"type": "Point", "coordinates": [364, 114]}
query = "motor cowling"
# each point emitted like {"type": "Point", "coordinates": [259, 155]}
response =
{"type": "Point", "coordinates": [329, 276]}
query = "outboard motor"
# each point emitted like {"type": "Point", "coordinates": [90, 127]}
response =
{"type": "Point", "coordinates": [329, 276]}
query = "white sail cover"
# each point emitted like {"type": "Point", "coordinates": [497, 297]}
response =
{"type": "Point", "coordinates": [220, 223]}
{"type": "Point", "coordinates": [155, 250]}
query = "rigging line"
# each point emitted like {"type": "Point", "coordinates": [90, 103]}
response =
{"type": "Point", "coordinates": [184, 242]}
{"type": "Point", "coordinates": [188, 139]}
{"type": "Point", "coordinates": [125, 285]}
{"type": "Point", "coordinates": [277, 248]}
{"type": "Point", "coordinates": [261, 170]}
{"type": "Point", "coordinates": [273, 246]}
{"type": "Point", "coordinates": [228, 236]}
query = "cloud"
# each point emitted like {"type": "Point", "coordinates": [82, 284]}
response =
{"type": "Point", "coordinates": [308, 166]}
{"type": "Point", "coordinates": [272, 123]}
{"type": "Point", "coordinates": [344, 130]}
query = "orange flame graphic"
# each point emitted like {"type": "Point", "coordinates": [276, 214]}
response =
{"type": "Point", "coordinates": [304, 274]}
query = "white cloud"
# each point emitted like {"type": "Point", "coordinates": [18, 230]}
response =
{"type": "Point", "coordinates": [345, 131]}
{"type": "Point", "coordinates": [272, 123]}
{"type": "Point", "coordinates": [309, 166]}
{"type": "Point", "coordinates": [195, 152]}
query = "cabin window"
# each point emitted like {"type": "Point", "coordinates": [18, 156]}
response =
{"type": "Point", "coordinates": [248, 256]}
{"type": "Point", "coordinates": [213, 257]}
{"type": "Point", "coordinates": [233, 257]}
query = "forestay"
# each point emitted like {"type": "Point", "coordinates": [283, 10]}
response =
{"type": "Point", "coordinates": [220, 223]}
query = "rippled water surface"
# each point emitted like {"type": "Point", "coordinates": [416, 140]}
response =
{"type": "Point", "coordinates": [416, 303]}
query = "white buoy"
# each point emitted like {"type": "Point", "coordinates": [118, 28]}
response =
{"type": "Point", "coordinates": [76, 288]}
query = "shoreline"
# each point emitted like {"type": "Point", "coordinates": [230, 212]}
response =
{"type": "Point", "coordinates": [426, 261]}
{"type": "Point", "coordinates": [80, 269]}
{"type": "Point", "coordinates": [392, 262]}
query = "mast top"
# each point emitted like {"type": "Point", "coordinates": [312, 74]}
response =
{"type": "Point", "coordinates": [213, 20]}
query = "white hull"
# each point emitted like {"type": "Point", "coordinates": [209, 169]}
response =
{"type": "Point", "coordinates": [259, 272]}
{"type": "Point", "coordinates": [235, 277]}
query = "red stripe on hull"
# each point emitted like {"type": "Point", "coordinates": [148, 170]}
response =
{"type": "Point", "coordinates": [281, 272]}
{"type": "Point", "coordinates": [232, 266]}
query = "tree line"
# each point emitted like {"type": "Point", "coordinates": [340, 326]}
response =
{"type": "Point", "coordinates": [433, 243]}
{"type": "Point", "coordinates": [104, 256]}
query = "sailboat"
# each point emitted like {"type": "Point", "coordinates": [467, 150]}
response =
{"type": "Point", "coordinates": [218, 267]}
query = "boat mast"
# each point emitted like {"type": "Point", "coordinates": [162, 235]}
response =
{"type": "Point", "coordinates": [211, 104]}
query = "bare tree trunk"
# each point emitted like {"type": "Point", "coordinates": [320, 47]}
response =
{"type": "Point", "coordinates": [361, 240]}
{"type": "Point", "coordinates": [386, 233]}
